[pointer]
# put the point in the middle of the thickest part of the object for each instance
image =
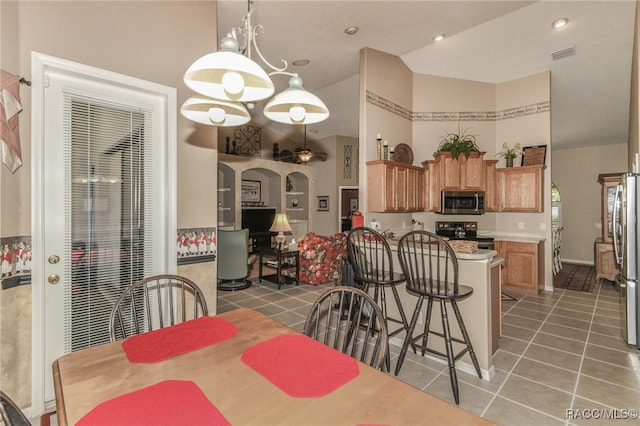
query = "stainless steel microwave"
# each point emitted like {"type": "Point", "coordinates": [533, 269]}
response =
{"type": "Point", "coordinates": [462, 202]}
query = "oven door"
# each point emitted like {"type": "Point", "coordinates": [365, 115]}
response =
{"type": "Point", "coordinates": [462, 202]}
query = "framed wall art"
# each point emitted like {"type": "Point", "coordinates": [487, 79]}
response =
{"type": "Point", "coordinates": [248, 140]}
{"type": "Point", "coordinates": [323, 203]}
{"type": "Point", "coordinates": [251, 190]}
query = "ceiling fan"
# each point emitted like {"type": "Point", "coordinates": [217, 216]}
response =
{"type": "Point", "coordinates": [302, 154]}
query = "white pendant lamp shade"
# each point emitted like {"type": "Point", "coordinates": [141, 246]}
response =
{"type": "Point", "coordinates": [229, 75]}
{"type": "Point", "coordinates": [213, 112]}
{"type": "Point", "coordinates": [296, 106]}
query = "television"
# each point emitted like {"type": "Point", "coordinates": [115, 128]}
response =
{"type": "Point", "coordinates": [258, 220]}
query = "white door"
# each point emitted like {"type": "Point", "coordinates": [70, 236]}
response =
{"type": "Point", "coordinates": [104, 202]}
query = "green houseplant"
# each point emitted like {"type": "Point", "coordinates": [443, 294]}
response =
{"type": "Point", "coordinates": [509, 153]}
{"type": "Point", "coordinates": [458, 143]}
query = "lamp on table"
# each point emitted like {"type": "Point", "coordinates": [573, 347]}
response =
{"type": "Point", "coordinates": [280, 225]}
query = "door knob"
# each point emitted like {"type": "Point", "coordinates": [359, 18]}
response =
{"type": "Point", "coordinates": [53, 259]}
{"type": "Point", "coordinates": [53, 278]}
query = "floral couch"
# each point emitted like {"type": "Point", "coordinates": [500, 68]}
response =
{"type": "Point", "coordinates": [321, 257]}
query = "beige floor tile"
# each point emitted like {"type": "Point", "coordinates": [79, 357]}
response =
{"type": "Point", "coordinates": [564, 331]}
{"type": "Point", "coordinates": [611, 330]}
{"type": "Point", "coordinates": [540, 397]}
{"type": "Point", "coordinates": [561, 343]}
{"type": "Point", "coordinates": [528, 313]}
{"type": "Point", "coordinates": [584, 316]}
{"type": "Point", "coordinates": [613, 356]}
{"type": "Point", "coordinates": [572, 306]}
{"type": "Point", "coordinates": [520, 321]}
{"type": "Point", "coordinates": [554, 357]}
{"type": "Point", "coordinates": [612, 373]}
{"type": "Point", "coordinates": [589, 413]}
{"type": "Point", "coordinates": [518, 332]}
{"type": "Point", "coordinates": [608, 341]}
{"type": "Point", "coordinates": [608, 321]}
{"type": "Point", "coordinates": [569, 322]}
{"type": "Point", "coordinates": [509, 413]}
{"type": "Point", "coordinates": [516, 347]}
{"type": "Point", "coordinates": [540, 307]}
{"type": "Point", "coordinates": [546, 374]}
{"type": "Point", "coordinates": [504, 361]}
{"type": "Point", "coordinates": [472, 399]}
{"type": "Point", "coordinates": [608, 393]}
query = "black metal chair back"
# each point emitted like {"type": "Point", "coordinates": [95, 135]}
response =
{"type": "Point", "coordinates": [350, 321]}
{"type": "Point", "coordinates": [430, 265]}
{"type": "Point", "coordinates": [155, 302]}
{"type": "Point", "coordinates": [370, 256]}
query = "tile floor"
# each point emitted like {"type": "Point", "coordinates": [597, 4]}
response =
{"type": "Point", "coordinates": [559, 351]}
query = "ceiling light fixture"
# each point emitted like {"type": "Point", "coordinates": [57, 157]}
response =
{"type": "Point", "coordinates": [226, 79]}
{"type": "Point", "coordinates": [559, 23]}
{"type": "Point", "coordinates": [439, 37]}
{"type": "Point", "coordinates": [351, 30]}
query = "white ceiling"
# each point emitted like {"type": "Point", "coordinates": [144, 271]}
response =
{"type": "Point", "coordinates": [490, 41]}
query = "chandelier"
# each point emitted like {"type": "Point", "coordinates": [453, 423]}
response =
{"type": "Point", "coordinates": [226, 80]}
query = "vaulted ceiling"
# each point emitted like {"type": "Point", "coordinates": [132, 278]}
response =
{"type": "Point", "coordinates": [489, 41]}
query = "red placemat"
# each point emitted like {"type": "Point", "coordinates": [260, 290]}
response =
{"type": "Point", "coordinates": [172, 402]}
{"type": "Point", "coordinates": [301, 366]}
{"type": "Point", "coordinates": [158, 345]}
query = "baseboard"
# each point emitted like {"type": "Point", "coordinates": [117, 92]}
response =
{"type": "Point", "coordinates": [577, 262]}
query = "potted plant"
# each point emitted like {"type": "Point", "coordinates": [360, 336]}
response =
{"type": "Point", "coordinates": [509, 153]}
{"type": "Point", "coordinates": [458, 143]}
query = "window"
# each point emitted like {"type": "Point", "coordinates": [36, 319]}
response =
{"type": "Point", "coordinates": [556, 207]}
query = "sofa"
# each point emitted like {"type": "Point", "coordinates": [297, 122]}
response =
{"type": "Point", "coordinates": [322, 257]}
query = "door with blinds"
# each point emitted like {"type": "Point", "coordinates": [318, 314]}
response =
{"type": "Point", "coordinates": [106, 204]}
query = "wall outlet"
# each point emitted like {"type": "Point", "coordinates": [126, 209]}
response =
{"type": "Point", "coordinates": [543, 226]}
{"type": "Point", "coordinates": [520, 225]}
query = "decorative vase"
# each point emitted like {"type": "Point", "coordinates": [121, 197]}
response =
{"type": "Point", "coordinates": [509, 161]}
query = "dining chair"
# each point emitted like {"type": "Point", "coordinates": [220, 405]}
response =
{"type": "Point", "coordinates": [371, 257]}
{"type": "Point", "coordinates": [557, 245]}
{"type": "Point", "coordinates": [430, 267]}
{"type": "Point", "coordinates": [11, 414]}
{"type": "Point", "coordinates": [350, 321]}
{"type": "Point", "coordinates": [155, 302]}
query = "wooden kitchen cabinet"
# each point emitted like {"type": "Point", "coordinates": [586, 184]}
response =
{"type": "Point", "coordinates": [490, 193]}
{"type": "Point", "coordinates": [519, 189]}
{"type": "Point", "coordinates": [523, 266]}
{"type": "Point", "coordinates": [604, 261]}
{"type": "Point", "coordinates": [461, 173]}
{"type": "Point", "coordinates": [394, 187]}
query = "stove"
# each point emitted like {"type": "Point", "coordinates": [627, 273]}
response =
{"type": "Point", "coordinates": [464, 231]}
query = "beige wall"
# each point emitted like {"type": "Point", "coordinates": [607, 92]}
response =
{"type": "Point", "coordinates": [387, 76]}
{"type": "Point", "coordinates": [575, 172]}
{"type": "Point", "coordinates": [152, 41]}
{"type": "Point", "coordinates": [634, 109]}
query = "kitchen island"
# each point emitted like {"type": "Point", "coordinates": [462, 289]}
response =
{"type": "Point", "coordinates": [480, 311]}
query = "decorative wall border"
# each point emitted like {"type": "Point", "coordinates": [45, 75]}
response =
{"type": "Point", "coordinates": [15, 261]}
{"type": "Point", "coordinates": [506, 114]}
{"type": "Point", "coordinates": [196, 245]}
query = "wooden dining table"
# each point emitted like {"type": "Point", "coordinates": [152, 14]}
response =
{"type": "Point", "coordinates": [89, 377]}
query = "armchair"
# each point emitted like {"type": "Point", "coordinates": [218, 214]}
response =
{"type": "Point", "coordinates": [321, 257]}
{"type": "Point", "coordinates": [234, 261]}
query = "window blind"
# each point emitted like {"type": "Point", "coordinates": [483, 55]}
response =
{"type": "Point", "coordinates": [107, 204]}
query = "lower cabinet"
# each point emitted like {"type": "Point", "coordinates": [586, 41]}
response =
{"type": "Point", "coordinates": [605, 261]}
{"type": "Point", "coordinates": [524, 265]}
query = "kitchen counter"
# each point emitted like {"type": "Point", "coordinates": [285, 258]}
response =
{"type": "Point", "coordinates": [510, 236]}
{"type": "Point", "coordinates": [478, 310]}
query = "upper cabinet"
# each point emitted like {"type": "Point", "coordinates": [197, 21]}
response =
{"type": "Point", "coordinates": [461, 173]}
{"type": "Point", "coordinates": [520, 189]}
{"type": "Point", "coordinates": [394, 187]}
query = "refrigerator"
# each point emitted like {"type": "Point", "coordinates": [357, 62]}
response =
{"type": "Point", "coordinates": [626, 244]}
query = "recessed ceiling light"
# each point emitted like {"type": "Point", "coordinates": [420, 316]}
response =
{"type": "Point", "coordinates": [300, 62]}
{"type": "Point", "coordinates": [351, 30]}
{"type": "Point", "coordinates": [438, 37]}
{"type": "Point", "coordinates": [559, 23]}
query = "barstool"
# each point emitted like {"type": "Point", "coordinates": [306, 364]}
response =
{"type": "Point", "coordinates": [371, 258]}
{"type": "Point", "coordinates": [430, 267]}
